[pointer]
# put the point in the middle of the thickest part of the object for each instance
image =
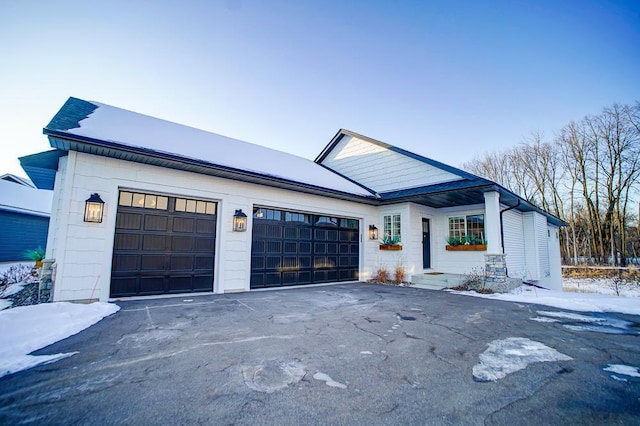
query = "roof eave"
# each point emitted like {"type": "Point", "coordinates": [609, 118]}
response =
{"type": "Point", "coordinates": [68, 142]}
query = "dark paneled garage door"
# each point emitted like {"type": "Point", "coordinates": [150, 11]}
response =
{"type": "Point", "coordinates": [162, 245]}
{"type": "Point", "coordinates": [291, 248]}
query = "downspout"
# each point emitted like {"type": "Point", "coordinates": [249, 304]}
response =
{"type": "Point", "coordinates": [501, 223]}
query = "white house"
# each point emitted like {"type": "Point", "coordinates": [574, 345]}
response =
{"type": "Point", "coordinates": [172, 194]}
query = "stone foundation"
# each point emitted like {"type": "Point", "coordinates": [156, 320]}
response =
{"type": "Point", "coordinates": [495, 268]}
{"type": "Point", "coordinates": [47, 276]}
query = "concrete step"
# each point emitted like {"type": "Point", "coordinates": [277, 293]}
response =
{"type": "Point", "coordinates": [437, 281]}
{"type": "Point", "coordinates": [428, 286]}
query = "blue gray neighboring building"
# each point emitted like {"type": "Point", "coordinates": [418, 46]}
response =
{"type": "Point", "coordinates": [24, 218]}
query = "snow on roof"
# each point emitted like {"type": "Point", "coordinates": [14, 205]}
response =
{"type": "Point", "coordinates": [17, 179]}
{"type": "Point", "coordinates": [124, 127]}
{"type": "Point", "coordinates": [24, 199]}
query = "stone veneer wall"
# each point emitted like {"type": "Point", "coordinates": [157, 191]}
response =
{"type": "Point", "coordinates": [495, 269]}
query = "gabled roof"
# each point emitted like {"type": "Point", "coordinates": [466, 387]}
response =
{"type": "Point", "coordinates": [469, 189]}
{"type": "Point", "coordinates": [99, 129]}
{"type": "Point", "coordinates": [17, 179]}
{"type": "Point", "coordinates": [344, 132]}
{"type": "Point", "coordinates": [96, 128]}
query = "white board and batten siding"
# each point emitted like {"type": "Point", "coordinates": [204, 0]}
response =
{"type": "Point", "coordinates": [83, 251]}
{"type": "Point", "coordinates": [555, 268]}
{"type": "Point", "coordinates": [382, 169]}
{"type": "Point", "coordinates": [514, 243]}
{"type": "Point", "coordinates": [536, 252]}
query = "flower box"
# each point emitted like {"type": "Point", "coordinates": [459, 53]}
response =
{"type": "Point", "coordinates": [390, 247]}
{"type": "Point", "coordinates": [467, 247]}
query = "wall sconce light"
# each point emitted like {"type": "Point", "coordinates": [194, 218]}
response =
{"type": "Point", "coordinates": [239, 221]}
{"type": "Point", "coordinates": [373, 232]}
{"type": "Point", "coordinates": [93, 209]}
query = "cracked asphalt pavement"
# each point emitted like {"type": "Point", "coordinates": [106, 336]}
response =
{"type": "Point", "coordinates": [340, 354]}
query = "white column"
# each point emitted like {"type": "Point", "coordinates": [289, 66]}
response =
{"type": "Point", "coordinates": [492, 226]}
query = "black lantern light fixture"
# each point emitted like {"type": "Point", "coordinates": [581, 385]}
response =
{"type": "Point", "coordinates": [373, 232]}
{"type": "Point", "coordinates": [239, 221]}
{"type": "Point", "coordinates": [93, 209]}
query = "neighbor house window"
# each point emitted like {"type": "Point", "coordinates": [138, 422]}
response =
{"type": "Point", "coordinates": [469, 229]}
{"type": "Point", "coordinates": [392, 227]}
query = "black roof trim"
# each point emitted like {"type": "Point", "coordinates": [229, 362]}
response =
{"type": "Point", "coordinates": [69, 142]}
{"type": "Point", "coordinates": [375, 194]}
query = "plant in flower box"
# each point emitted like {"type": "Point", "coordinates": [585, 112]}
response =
{"type": "Point", "coordinates": [390, 243]}
{"type": "Point", "coordinates": [471, 243]}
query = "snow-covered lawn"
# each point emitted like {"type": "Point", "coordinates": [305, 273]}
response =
{"type": "Point", "coordinates": [29, 328]}
{"type": "Point", "coordinates": [583, 302]}
{"type": "Point", "coordinates": [601, 286]}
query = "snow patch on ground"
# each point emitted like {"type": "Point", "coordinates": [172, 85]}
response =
{"type": "Point", "coordinates": [625, 370]}
{"type": "Point", "coordinates": [510, 355]}
{"type": "Point", "coordinates": [569, 315]}
{"type": "Point", "coordinates": [29, 328]}
{"type": "Point", "coordinates": [541, 319]}
{"type": "Point", "coordinates": [600, 286]}
{"type": "Point", "coordinates": [13, 289]}
{"type": "Point", "coordinates": [273, 375]}
{"type": "Point", "coordinates": [584, 302]}
{"type": "Point", "coordinates": [596, 322]}
{"type": "Point", "coordinates": [329, 381]}
{"type": "Point", "coordinates": [4, 304]}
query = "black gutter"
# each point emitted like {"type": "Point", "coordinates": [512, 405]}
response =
{"type": "Point", "coordinates": [501, 223]}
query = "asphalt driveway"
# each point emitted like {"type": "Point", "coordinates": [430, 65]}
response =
{"type": "Point", "coordinates": [342, 354]}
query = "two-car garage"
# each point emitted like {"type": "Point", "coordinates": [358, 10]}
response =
{"type": "Point", "coordinates": [167, 244]}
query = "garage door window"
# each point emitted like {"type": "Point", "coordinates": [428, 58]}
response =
{"type": "Point", "coordinates": [266, 214]}
{"type": "Point", "coordinates": [147, 201]}
{"type": "Point", "coordinates": [195, 206]}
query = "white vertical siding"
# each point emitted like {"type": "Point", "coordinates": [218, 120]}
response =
{"type": "Point", "coordinates": [531, 253]}
{"type": "Point", "coordinates": [555, 277]}
{"type": "Point", "coordinates": [381, 169]}
{"type": "Point", "coordinates": [542, 233]}
{"type": "Point", "coordinates": [514, 243]}
{"type": "Point", "coordinates": [538, 263]}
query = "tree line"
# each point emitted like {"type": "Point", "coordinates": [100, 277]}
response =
{"type": "Point", "coordinates": [588, 175]}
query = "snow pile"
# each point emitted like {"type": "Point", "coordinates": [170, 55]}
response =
{"type": "Point", "coordinates": [29, 328]}
{"type": "Point", "coordinates": [584, 302]}
{"type": "Point", "coordinates": [510, 355]}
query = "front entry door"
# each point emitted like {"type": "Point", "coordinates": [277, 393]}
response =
{"type": "Point", "coordinates": [426, 245]}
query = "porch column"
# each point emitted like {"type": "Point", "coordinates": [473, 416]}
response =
{"type": "Point", "coordinates": [492, 227]}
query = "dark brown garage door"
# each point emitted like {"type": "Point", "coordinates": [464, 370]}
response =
{"type": "Point", "coordinates": [291, 248]}
{"type": "Point", "coordinates": [162, 245]}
